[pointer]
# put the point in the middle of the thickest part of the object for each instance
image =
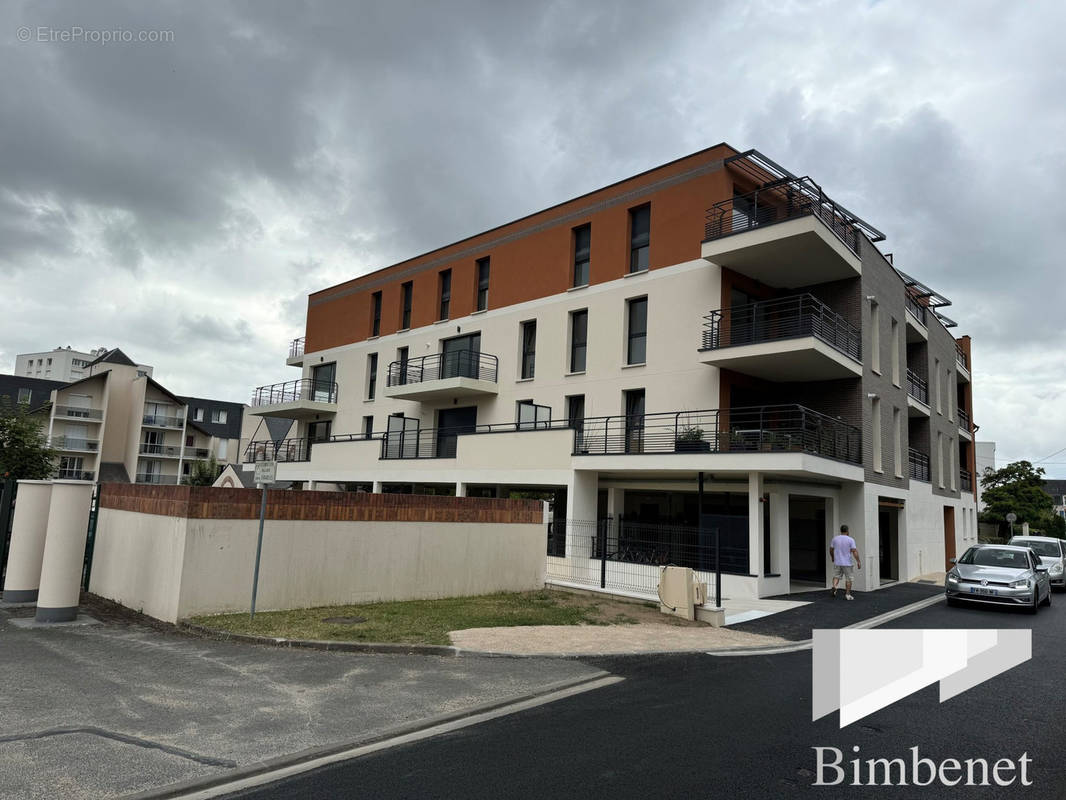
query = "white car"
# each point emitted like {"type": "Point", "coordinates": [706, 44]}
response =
{"type": "Point", "coordinates": [1052, 554]}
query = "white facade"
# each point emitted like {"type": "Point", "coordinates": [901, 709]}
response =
{"type": "Point", "coordinates": [62, 364]}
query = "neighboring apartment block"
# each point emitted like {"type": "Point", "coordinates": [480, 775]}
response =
{"type": "Point", "coordinates": [117, 424]}
{"type": "Point", "coordinates": [62, 364]}
{"type": "Point", "coordinates": [716, 318]}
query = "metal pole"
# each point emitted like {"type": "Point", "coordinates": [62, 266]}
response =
{"type": "Point", "coordinates": [603, 552]}
{"type": "Point", "coordinates": [717, 568]}
{"type": "Point", "coordinates": [258, 549]}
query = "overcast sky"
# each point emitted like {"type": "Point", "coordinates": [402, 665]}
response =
{"type": "Point", "coordinates": [180, 199]}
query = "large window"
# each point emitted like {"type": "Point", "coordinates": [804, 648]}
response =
{"type": "Point", "coordinates": [483, 283]}
{"type": "Point", "coordinates": [368, 426]}
{"type": "Point", "coordinates": [579, 333]}
{"type": "Point", "coordinates": [375, 325]}
{"type": "Point", "coordinates": [371, 376]}
{"type": "Point", "coordinates": [408, 290]}
{"type": "Point", "coordinates": [582, 252]}
{"type": "Point", "coordinates": [218, 415]}
{"type": "Point", "coordinates": [529, 348]}
{"type": "Point", "coordinates": [637, 335]}
{"type": "Point", "coordinates": [639, 238]}
{"type": "Point", "coordinates": [445, 293]}
{"type": "Point", "coordinates": [323, 383]}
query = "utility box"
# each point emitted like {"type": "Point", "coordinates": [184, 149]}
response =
{"type": "Point", "coordinates": [680, 592]}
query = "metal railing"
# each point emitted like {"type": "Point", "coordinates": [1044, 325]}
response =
{"type": "Point", "coordinates": [296, 347]}
{"type": "Point", "coordinates": [164, 450]}
{"type": "Point", "coordinates": [157, 479]}
{"type": "Point", "coordinates": [79, 413]}
{"type": "Point", "coordinates": [75, 475]}
{"type": "Point", "coordinates": [918, 311]}
{"type": "Point", "coordinates": [443, 442]}
{"type": "Point", "coordinates": [781, 318]}
{"type": "Point", "coordinates": [293, 391]}
{"type": "Point", "coordinates": [919, 465]}
{"type": "Point", "coordinates": [964, 420]}
{"type": "Point", "coordinates": [75, 444]}
{"type": "Point", "coordinates": [917, 387]}
{"type": "Point", "coordinates": [290, 450]}
{"type": "Point", "coordinates": [960, 357]}
{"type": "Point", "coordinates": [438, 366]}
{"type": "Point", "coordinates": [163, 421]}
{"type": "Point", "coordinates": [196, 453]}
{"type": "Point", "coordinates": [781, 428]}
{"type": "Point", "coordinates": [777, 202]}
{"type": "Point", "coordinates": [966, 480]}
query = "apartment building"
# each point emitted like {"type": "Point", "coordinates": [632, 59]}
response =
{"type": "Point", "coordinates": [118, 424]}
{"type": "Point", "coordinates": [710, 350]}
{"type": "Point", "coordinates": [62, 364]}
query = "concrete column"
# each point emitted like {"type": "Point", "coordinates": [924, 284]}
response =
{"type": "Point", "coordinates": [580, 507]}
{"type": "Point", "coordinates": [64, 551]}
{"type": "Point", "coordinates": [779, 560]}
{"type": "Point", "coordinates": [376, 488]}
{"type": "Point", "coordinates": [460, 489]}
{"type": "Point", "coordinates": [28, 531]}
{"type": "Point", "coordinates": [755, 528]}
{"type": "Point", "coordinates": [615, 502]}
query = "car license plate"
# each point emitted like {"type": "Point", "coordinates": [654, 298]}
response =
{"type": "Point", "coordinates": [982, 590]}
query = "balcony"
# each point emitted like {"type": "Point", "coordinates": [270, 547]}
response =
{"type": "Point", "coordinates": [302, 399]}
{"type": "Point", "coordinates": [963, 363]}
{"type": "Point", "coordinates": [966, 480]}
{"type": "Point", "coordinates": [462, 373]}
{"type": "Point", "coordinates": [786, 339]}
{"type": "Point", "coordinates": [75, 475]}
{"type": "Point", "coordinates": [163, 421]}
{"type": "Point", "coordinates": [196, 453]}
{"type": "Point", "coordinates": [157, 479]}
{"type": "Point", "coordinates": [919, 465]}
{"type": "Point", "coordinates": [75, 445]}
{"type": "Point", "coordinates": [289, 450]}
{"type": "Point", "coordinates": [160, 450]}
{"type": "Point", "coordinates": [916, 318]}
{"type": "Point", "coordinates": [296, 352]}
{"type": "Point", "coordinates": [75, 412]}
{"type": "Point", "coordinates": [418, 443]}
{"type": "Point", "coordinates": [786, 234]}
{"type": "Point", "coordinates": [917, 395]}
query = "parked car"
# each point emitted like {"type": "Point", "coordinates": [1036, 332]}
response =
{"type": "Point", "coordinates": [999, 573]}
{"type": "Point", "coordinates": [1052, 553]}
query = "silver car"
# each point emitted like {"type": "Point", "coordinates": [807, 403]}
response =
{"type": "Point", "coordinates": [999, 573]}
{"type": "Point", "coordinates": [1052, 553]}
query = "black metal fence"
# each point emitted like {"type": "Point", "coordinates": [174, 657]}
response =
{"type": "Point", "coordinates": [292, 391]}
{"type": "Point", "coordinates": [779, 319]}
{"type": "Point", "coordinates": [437, 366]}
{"type": "Point", "coordinates": [919, 465]}
{"type": "Point", "coordinates": [296, 347]}
{"type": "Point", "coordinates": [629, 556]}
{"type": "Point", "coordinates": [917, 387]}
{"type": "Point", "coordinates": [281, 450]}
{"type": "Point", "coordinates": [966, 480]}
{"type": "Point", "coordinates": [443, 442]}
{"type": "Point", "coordinates": [916, 309]}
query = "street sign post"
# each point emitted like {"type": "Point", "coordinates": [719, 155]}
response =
{"type": "Point", "coordinates": [1012, 518]}
{"type": "Point", "coordinates": [266, 473]}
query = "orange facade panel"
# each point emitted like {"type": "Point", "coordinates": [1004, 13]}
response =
{"type": "Point", "coordinates": [533, 257]}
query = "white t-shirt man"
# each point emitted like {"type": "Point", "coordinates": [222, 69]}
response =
{"type": "Point", "coordinates": [845, 553]}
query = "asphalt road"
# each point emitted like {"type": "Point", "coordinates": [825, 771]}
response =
{"type": "Point", "coordinates": [709, 727]}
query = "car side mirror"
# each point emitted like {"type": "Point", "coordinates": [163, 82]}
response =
{"type": "Point", "coordinates": [1041, 569]}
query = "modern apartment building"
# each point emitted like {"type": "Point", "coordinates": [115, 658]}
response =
{"type": "Point", "coordinates": [62, 364]}
{"type": "Point", "coordinates": [715, 323]}
{"type": "Point", "coordinates": [118, 424]}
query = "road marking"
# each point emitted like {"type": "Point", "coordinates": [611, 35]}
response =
{"type": "Point", "coordinates": [356, 752]}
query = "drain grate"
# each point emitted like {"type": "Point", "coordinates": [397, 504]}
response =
{"type": "Point", "coordinates": [344, 620]}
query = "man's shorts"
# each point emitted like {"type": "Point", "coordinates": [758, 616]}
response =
{"type": "Point", "coordinates": [842, 572]}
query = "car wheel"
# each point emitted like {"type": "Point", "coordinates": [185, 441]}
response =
{"type": "Point", "coordinates": [1032, 609]}
{"type": "Point", "coordinates": [1047, 600]}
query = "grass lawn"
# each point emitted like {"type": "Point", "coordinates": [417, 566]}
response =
{"type": "Point", "coordinates": [429, 621]}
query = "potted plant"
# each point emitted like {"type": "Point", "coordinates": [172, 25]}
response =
{"type": "Point", "coordinates": [690, 440]}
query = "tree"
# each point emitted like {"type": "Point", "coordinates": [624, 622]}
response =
{"type": "Point", "coordinates": [1019, 488]}
{"type": "Point", "coordinates": [24, 450]}
{"type": "Point", "coordinates": [203, 473]}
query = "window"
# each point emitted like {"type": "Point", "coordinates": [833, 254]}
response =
{"type": "Point", "coordinates": [223, 448]}
{"type": "Point", "coordinates": [375, 316]}
{"type": "Point", "coordinates": [324, 383]}
{"type": "Point", "coordinates": [896, 347]}
{"type": "Point", "coordinates": [579, 331]}
{"type": "Point", "coordinates": [368, 427]}
{"type": "Point", "coordinates": [575, 418]}
{"type": "Point", "coordinates": [639, 238]}
{"type": "Point", "coordinates": [637, 333]}
{"type": "Point", "coordinates": [24, 396]}
{"type": "Point", "coordinates": [319, 431]}
{"type": "Point", "coordinates": [582, 251]}
{"type": "Point", "coordinates": [189, 440]}
{"type": "Point", "coordinates": [483, 283]}
{"type": "Point", "coordinates": [218, 415]}
{"type": "Point", "coordinates": [405, 309]}
{"type": "Point", "coordinates": [876, 433]}
{"type": "Point", "coordinates": [940, 459]}
{"type": "Point", "coordinates": [400, 377]}
{"type": "Point", "coordinates": [185, 468]}
{"type": "Point", "coordinates": [198, 415]}
{"type": "Point", "coordinates": [529, 415]}
{"type": "Point", "coordinates": [875, 337]}
{"type": "Point", "coordinates": [445, 293]}
{"type": "Point", "coordinates": [49, 362]}
{"type": "Point", "coordinates": [897, 441]}
{"type": "Point", "coordinates": [936, 380]}
{"type": "Point", "coordinates": [529, 348]}
{"type": "Point", "coordinates": [371, 376]}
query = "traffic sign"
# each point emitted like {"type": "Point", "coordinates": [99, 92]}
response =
{"type": "Point", "coordinates": [266, 472]}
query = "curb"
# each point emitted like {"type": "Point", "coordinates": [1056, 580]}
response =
{"type": "Point", "coordinates": [186, 787]}
{"type": "Point", "coordinates": [378, 648]}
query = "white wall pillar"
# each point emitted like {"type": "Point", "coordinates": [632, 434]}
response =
{"type": "Point", "coordinates": [64, 551]}
{"type": "Point", "coordinates": [779, 560]}
{"type": "Point", "coordinates": [28, 530]}
{"type": "Point", "coordinates": [376, 488]}
{"type": "Point", "coordinates": [851, 511]}
{"type": "Point", "coordinates": [615, 502]}
{"type": "Point", "coordinates": [580, 507]}
{"type": "Point", "coordinates": [755, 527]}
{"type": "Point", "coordinates": [460, 489]}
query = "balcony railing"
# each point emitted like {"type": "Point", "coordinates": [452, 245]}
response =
{"type": "Point", "coordinates": [438, 366]}
{"type": "Point", "coordinates": [196, 453]}
{"type": "Point", "coordinates": [960, 357]}
{"type": "Point", "coordinates": [917, 387]}
{"type": "Point", "coordinates": [789, 428]}
{"type": "Point", "coordinates": [296, 347]}
{"type": "Point", "coordinates": [294, 391]}
{"type": "Point", "coordinates": [781, 318]}
{"type": "Point", "coordinates": [917, 310]}
{"type": "Point", "coordinates": [75, 475]}
{"type": "Point", "coordinates": [79, 413]}
{"type": "Point", "coordinates": [157, 479]}
{"type": "Point", "coordinates": [966, 480]}
{"type": "Point", "coordinates": [919, 465]}
{"type": "Point", "coordinates": [163, 421]}
{"type": "Point", "coordinates": [780, 201]}
{"type": "Point", "coordinates": [75, 444]}
{"type": "Point", "coordinates": [164, 450]}
{"type": "Point", "coordinates": [291, 450]}
{"type": "Point", "coordinates": [964, 420]}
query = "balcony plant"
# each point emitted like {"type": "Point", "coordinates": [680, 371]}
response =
{"type": "Point", "coordinates": [690, 440]}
